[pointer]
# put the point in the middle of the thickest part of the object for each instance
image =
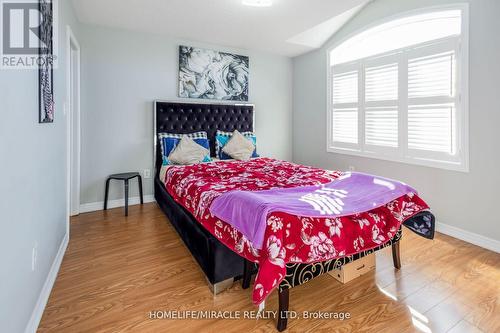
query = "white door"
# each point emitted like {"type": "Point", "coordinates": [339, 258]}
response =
{"type": "Point", "coordinates": [73, 88]}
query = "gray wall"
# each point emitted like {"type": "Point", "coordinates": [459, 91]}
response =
{"type": "Point", "coordinates": [463, 200]}
{"type": "Point", "coordinates": [33, 186]}
{"type": "Point", "coordinates": [123, 72]}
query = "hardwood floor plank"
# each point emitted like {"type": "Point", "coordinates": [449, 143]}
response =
{"type": "Point", "coordinates": [464, 327]}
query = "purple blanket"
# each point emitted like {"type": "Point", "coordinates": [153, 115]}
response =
{"type": "Point", "coordinates": [350, 194]}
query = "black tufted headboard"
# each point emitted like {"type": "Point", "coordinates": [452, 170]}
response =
{"type": "Point", "coordinates": [183, 118]}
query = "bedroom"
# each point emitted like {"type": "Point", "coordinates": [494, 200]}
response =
{"type": "Point", "coordinates": [321, 92]}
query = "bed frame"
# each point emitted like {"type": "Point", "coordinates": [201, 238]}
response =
{"type": "Point", "coordinates": [221, 265]}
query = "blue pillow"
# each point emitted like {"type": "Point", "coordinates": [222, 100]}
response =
{"type": "Point", "coordinates": [221, 139]}
{"type": "Point", "coordinates": [169, 141]}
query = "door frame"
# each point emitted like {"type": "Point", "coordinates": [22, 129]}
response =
{"type": "Point", "coordinates": [72, 110]}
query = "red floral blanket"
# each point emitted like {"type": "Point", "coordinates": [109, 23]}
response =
{"type": "Point", "coordinates": [288, 238]}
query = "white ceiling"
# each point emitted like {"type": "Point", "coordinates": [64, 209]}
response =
{"type": "Point", "coordinates": [289, 27]}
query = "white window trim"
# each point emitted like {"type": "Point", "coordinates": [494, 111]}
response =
{"type": "Point", "coordinates": [463, 120]}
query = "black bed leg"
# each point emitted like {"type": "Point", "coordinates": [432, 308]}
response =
{"type": "Point", "coordinates": [396, 258]}
{"type": "Point", "coordinates": [284, 300]}
{"type": "Point", "coordinates": [247, 274]}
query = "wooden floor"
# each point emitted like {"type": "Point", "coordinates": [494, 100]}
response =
{"type": "Point", "coordinates": [117, 269]}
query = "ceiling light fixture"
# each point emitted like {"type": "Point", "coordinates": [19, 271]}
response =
{"type": "Point", "coordinates": [258, 3]}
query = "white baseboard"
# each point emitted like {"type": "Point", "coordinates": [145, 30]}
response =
{"type": "Point", "coordinates": [95, 206]}
{"type": "Point", "coordinates": [37, 313]}
{"type": "Point", "coordinates": [469, 237]}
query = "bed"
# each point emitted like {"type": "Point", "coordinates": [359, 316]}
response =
{"type": "Point", "coordinates": [217, 254]}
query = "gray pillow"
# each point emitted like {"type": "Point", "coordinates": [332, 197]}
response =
{"type": "Point", "coordinates": [187, 152]}
{"type": "Point", "coordinates": [239, 147]}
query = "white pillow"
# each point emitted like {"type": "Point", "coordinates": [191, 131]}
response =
{"type": "Point", "coordinates": [239, 147]}
{"type": "Point", "coordinates": [187, 152]}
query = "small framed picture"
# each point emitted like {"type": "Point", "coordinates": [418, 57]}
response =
{"type": "Point", "coordinates": [46, 70]}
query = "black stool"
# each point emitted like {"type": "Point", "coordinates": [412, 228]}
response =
{"type": "Point", "coordinates": [125, 177]}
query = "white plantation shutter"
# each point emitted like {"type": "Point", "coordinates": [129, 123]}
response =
{"type": "Point", "coordinates": [432, 103]}
{"type": "Point", "coordinates": [345, 88]}
{"type": "Point", "coordinates": [381, 83]}
{"type": "Point", "coordinates": [381, 126]}
{"type": "Point", "coordinates": [430, 128]}
{"type": "Point", "coordinates": [431, 76]}
{"type": "Point", "coordinates": [345, 125]}
{"type": "Point", "coordinates": [381, 105]}
{"type": "Point", "coordinates": [345, 107]}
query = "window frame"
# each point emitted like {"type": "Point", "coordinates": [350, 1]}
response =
{"type": "Point", "coordinates": [403, 154]}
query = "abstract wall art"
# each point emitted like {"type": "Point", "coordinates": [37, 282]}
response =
{"type": "Point", "coordinates": [209, 74]}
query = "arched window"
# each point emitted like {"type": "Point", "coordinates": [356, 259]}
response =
{"type": "Point", "coordinates": [398, 90]}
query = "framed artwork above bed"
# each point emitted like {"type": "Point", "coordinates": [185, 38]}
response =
{"type": "Point", "coordinates": [209, 74]}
